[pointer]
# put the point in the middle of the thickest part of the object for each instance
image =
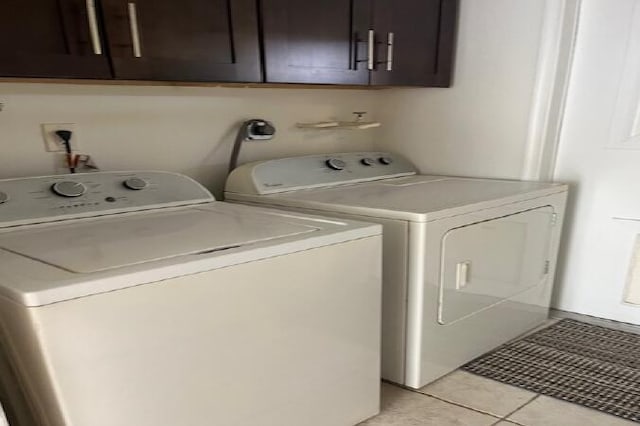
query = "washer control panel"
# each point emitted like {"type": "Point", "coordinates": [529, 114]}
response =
{"type": "Point", "coordinates": [52, 198]}
{"type": "Point", "coordinates": [314, 171]}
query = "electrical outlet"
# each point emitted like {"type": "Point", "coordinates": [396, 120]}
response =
{"type": "Point", "coordinates": [52, 142]}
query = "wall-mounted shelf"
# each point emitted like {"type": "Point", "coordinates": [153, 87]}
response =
{"type": "Point", "coordinates": [340, 125]}
{"type": "Point", "coordinates": [358, 124]}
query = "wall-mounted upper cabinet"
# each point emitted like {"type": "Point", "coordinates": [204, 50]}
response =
{"type": "Point", "coordinates": [377, 42]}
{"type": "Point", "coordinates": [354, 42]}
{"type": "Point", "coordinates": [414, 42]}
{"type": "Point", "coordinates": [316, 41]}
{"type": "Point", "coordinates": [51, 38]}
{"type": "Point", "coordinates": [188, 40]}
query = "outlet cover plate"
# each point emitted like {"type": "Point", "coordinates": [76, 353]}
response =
{"type": "Point", "coordinates": [52, 142]}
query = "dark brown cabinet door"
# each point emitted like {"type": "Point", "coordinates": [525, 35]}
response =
{"type": "Point", "coordinates": [51, 38]}
{"type": "Point", "coordinates": [316, 41]}
{"type": "Point", "coordinates": [414, 42]}
{"type": "Point", "coordinates": [185, 40]}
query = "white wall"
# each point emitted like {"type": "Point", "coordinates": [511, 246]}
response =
{"type": "Point", "coordinates": [599, 154]}
{"type": "Point", "coordinates": [479, 126]}
{"type": "Point", "coordinates": [182, 129]}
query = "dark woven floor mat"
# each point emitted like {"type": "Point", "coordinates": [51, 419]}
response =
{"type": "Point", "coordinates": [581, 363]}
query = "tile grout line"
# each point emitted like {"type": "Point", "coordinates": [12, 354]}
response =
{"type": "Point", "coordinates": [477, 410]}
{"type": "Point", "coordinates": [452, 403]}
{"type": "Point", "coordinates": [506, 417]}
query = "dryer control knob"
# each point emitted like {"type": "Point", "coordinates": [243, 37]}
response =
{"type": "Point", "coordinates": [368, 161]}
{"type": "Point", "coordinates": [135, 184]}
{"type": "Point", "coordinates": [3, 197]}
{"type": "Point", "coordinates": [385, 160]}
{"type": "Point", "coordinates": [70, 189]}
{"type": "Point", "coordinates": [335, 164]}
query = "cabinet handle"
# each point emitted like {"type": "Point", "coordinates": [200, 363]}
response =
{"type": "Point", "coordinates": [390, 52]}
{"type": "Point", "coordinates": [370, 50]}
{"type": "Point", "coordinates": [135, 35]}
{"type": "Point", "coordinates": [93, 27]}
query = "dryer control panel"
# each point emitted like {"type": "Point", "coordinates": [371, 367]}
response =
{"type": "Point", "coordinates": [52, 198]}
{"type": "Point", "coordinates": [316, 171]}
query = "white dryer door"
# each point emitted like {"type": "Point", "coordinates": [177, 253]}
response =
{"type": "Point", "coordinates": [488, 262]}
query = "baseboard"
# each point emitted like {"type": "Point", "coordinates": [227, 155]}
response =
{"type": "Point", "coordinates": [616, 325]}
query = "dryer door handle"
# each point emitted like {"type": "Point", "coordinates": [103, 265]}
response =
{"type": "Point", "coordinates": [463, 271]}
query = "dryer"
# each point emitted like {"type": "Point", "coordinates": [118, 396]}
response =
{"type": "Point", "coordinates": [468, 263]}
{"type": "Point", "coordinates": [135, 298]}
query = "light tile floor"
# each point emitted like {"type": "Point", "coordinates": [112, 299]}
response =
{"type": "Point", "coordinates": [464, 399]}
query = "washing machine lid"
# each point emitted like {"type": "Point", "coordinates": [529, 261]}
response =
{"type": "Point", "coordinates": [117, 242]}
{"type": "Point", "coordinates": [417, 198]}
{"type": "Point", "coordinates": [51, 263]}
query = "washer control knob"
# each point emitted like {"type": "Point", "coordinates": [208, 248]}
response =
{"type": "Point", "coordinates": [3, 197]}
{"type": "Point", "coordinates": [335, 164]}
{"type": "Point", "coordinates": [135, 184]}
{"type": "Point", "coordinates": [70, 189]}
{"type": "Point", "coordinates": [385, 160]}
{"type": "Point", "coordinates": [367, 161]}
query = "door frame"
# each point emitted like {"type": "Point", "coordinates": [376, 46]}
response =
{"type": "Point", "coordinates": [555, 60]}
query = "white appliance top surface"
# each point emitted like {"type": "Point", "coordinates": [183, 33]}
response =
{"type": "Point", "coordinates": [416, 198]}
{"type": "Point", "coordinates": [116, 242]}
{"type": "Point", "coordinates": [50, 263]}
{"type": "Point", "coordinates": [69, 236]}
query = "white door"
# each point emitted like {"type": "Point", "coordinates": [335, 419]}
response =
{"type": "Point", "coordinates": [485, 263]}
{"type": "Point", "coordinates": [599, 153]}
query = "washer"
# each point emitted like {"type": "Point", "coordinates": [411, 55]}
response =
{"type": "Point", "coordinates": [468, 263]}
{"type": "Point", "coordinates": [137, 299]}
